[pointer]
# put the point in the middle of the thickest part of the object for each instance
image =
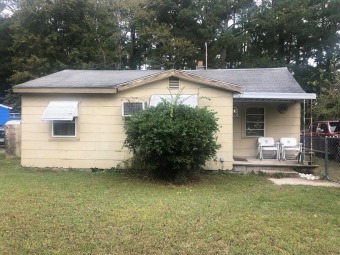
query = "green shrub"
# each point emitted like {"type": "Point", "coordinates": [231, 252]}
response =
{"type": "Point", "coordinates": [171, 141]}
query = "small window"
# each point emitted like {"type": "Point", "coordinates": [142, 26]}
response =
{"type": "Point", "coordinates": [173, 83]}
{"type": "Point", "coordinates": [324, 128]}
{"type": "Point", "coordinates": [314, 127]}
{"type": "Point", "coordinates": [254, 122]}
{"type": "Point", "coordinates": [63, 128]}
{"type": "Point", "coordinates": [129, 108]}
{"type": "Point", "coordinates": [334, 126]}
{"type": "Point", "coordinates": [63, 116]}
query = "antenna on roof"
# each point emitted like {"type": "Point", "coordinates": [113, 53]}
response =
{"type": "Point", "coordinates": [206, 56]}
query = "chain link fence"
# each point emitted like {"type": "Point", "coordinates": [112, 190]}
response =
{"type": "Point", "coordinates": [324, 152]}
{"type": "Point", "coordinates": [332, 158]}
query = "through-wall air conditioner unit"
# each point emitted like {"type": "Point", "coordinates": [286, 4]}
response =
{"type": "Point", "coordinates": [129, 108]}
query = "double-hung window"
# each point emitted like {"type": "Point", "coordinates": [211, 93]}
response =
{"type": "Point", "coordinates": [63, 115]}
{"type": "Point", "coordinates": [254, 122]}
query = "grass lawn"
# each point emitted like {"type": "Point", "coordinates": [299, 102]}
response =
{"type": "Point", "coordinates": [45, 212]}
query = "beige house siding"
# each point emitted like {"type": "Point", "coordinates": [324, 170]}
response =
{"type": "Point", "coordinates": [100, 132]}
{"type": "Point", "coordinates": [277, 125]}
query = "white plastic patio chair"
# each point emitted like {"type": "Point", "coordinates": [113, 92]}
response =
{"type": "Point", "coordinates": [290, 145]}
{"type": "Point", "coordinates": [267, 144]}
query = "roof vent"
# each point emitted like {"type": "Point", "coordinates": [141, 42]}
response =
{"type": "Point", "coordinates": [173, 83]}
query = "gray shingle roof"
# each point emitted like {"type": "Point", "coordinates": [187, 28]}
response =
{"type": "Point", "coordinates": [87, 79]}
{"type": "Point", "coordinates": [278, 80]}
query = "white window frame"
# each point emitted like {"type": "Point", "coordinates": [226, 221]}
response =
{"type": "Point", "coordinates": [131, 102]}
{"type": "Point", "coordinates": [68, 122]}
{"type": "Point", "coordinates": [246, 121]}
{"type": "Point", "coordinates": [186, 99]}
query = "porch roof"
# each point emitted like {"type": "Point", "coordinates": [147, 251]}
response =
{"type": "Point", "coordinates": [264, 80]}
{"type": "Point", "coordinates": [273, 97]}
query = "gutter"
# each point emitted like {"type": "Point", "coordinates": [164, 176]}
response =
{"type": "Point", "coordinates": [274, 96]}
{"type": "Point", "coordinates": [65, 90]}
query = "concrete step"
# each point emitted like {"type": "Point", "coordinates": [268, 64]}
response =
{"type": "Point", "coordinates": [280, 173]}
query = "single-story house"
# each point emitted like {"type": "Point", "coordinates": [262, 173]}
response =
{"type": "Point", "coordinates": [75, 118]}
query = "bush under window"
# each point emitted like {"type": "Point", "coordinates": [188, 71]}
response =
{"type": "Point", "coordinates": [171, 141]}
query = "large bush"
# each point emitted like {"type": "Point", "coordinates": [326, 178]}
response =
{"type": "Point", "coordinates": [171, 141]}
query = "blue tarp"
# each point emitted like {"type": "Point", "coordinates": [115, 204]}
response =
{"type": "Point", "coordinates": [4, 114]}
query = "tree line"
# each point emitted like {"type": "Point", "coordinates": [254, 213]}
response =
{"type": "Point", "coordinates": [39, 37]}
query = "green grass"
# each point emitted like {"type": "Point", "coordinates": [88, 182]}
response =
{"type": "Point", "coordinates": [68, 212]}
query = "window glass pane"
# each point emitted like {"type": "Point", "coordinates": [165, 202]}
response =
{"type": "Point", "coordinates": [314, 127]}
{"type": "Point", "coordinates": [64, 128]}
{"type": "Point", "coordinates": [131, 108]}
{"type": "Point", "coordinates": [255, 133]}
{"type": "Point", "coordinates": [255, 111]}
{"type": "Point", "coordinates": [335, 127]}
{"type": "Point", "coordinates": [255, 118]}
{"type": "Point", "coordinates": [324, 128]}
{"type": "Point", "coordinates": [254, 125]}
{"type": "Point", "coordinates": [254, 122]}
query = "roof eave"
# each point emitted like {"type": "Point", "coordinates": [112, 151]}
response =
{"type": "Point", "coordinates": [275, 96]}
{"type": "Point", "coordinates": [33, 90]}
{"type": "Point", "coordinates": [145, 80]}
{"type": "Point", "coordinates": [181, 75]}
{"type": "Point", "coordinates": [211, 82]}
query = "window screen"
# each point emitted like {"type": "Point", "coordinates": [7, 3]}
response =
{"type": "Point", "coordinates": [254, 122]}
{"type": "Point", "coordinates": [61, 128]}
{"type": "Point", "coordinates": [130, 108]}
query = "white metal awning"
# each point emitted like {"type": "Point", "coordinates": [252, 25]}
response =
{"type": "Point", "coordinates": [267, 96]}
{"type": "Point", "coordinates": [190, 100]}
{"type": "Point", "coordinates": [61, 110]}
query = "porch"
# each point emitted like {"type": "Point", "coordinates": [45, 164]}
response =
{"type": "Point", "coordinates": [271, 166]}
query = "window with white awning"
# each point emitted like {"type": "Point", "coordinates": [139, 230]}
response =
{"type": "Point", "coordinates": [63, 116]}
{"type": "Point", "coordinates": [61, 110]}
